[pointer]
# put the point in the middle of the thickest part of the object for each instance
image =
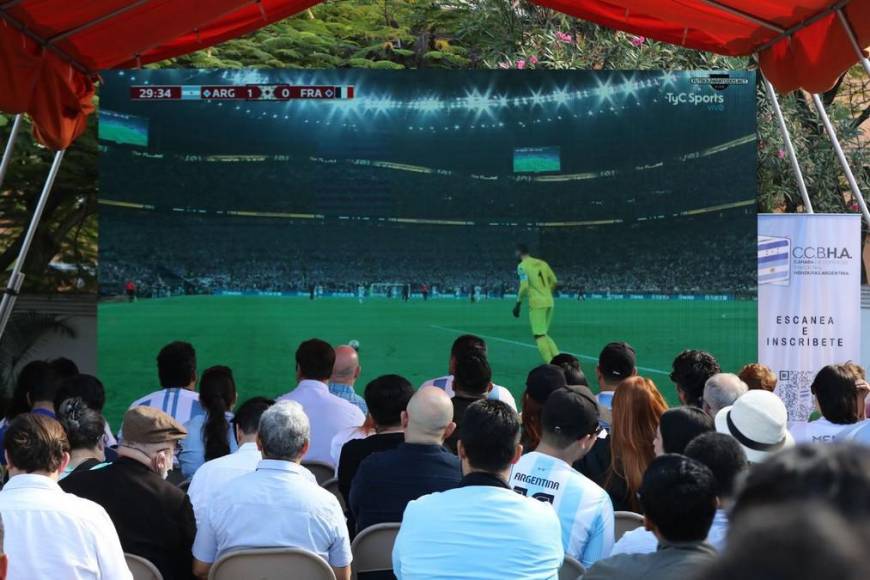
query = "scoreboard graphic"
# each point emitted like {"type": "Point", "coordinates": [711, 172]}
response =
{"type": "Point", "coordinates": [240, 92]}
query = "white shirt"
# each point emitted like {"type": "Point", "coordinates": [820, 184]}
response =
{"type": "Point", "coordinates": [498, 393]}
{"type": "Point", "coordinates": [53, 534]}
{"type": "Point", "coordinates": [818, 431]}
{"type": "Point", "coordinates": [210, 479]}
{"type": "Point", "coordinates": [278, 505]}
{"type": "Point", "coordinates": [584, 509]}
{"type": "Point", "coordinates": [641, 541]}
{"type": "Point", "coordinates": [327, 414]}
{"type": "Point", "coordinates": [340, 439]}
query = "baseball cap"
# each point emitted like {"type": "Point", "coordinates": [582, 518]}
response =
{"type": "Point", "coordinates": [543, 380]}
{"type": "Point", "coordinates": [617, 360]}
{"type": "Point", "coordinates": [570, 413]}
{"type": "Point", "coordinates": [150, 425]}
{"type": "Point", "coordinates": [758, 420]}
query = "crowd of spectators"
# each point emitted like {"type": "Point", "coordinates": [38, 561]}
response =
{"type": "Point", "coordinates": [479, 490]}
{"type": "Point", "coordinates": [182, 253]}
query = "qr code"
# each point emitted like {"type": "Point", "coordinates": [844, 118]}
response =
{"type": "Point", "coordinates": [793, 388]}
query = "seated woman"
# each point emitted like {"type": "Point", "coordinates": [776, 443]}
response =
{"type": "Point", "coordinates": [84, 428]}
{"type": "Point", "coordinates": [211, 435]}
{"type": "Point", "coordinates": [840, 394]}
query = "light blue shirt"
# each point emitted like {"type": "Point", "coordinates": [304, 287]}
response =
{"type": "Point", "coordinates": [584, 509]}
{"type": "Point", "coordinates": [192, 454]}
{"type": "Point", "coordinates": [478, 532]}
{"type": "Point", "coordinates": [347, 393]}
{"type": "Point", "coordinates": [276, 506]}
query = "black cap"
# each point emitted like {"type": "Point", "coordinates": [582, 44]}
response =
{"type": "Point", "coordinates": [543, 380]}
{"type": "Point", "coordinates": [617, 360]}
{"type": "Point", "coordinates": [570, 413]}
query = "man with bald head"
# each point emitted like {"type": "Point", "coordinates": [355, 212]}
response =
{"type": "Point", "coordinates": [345, 373]}
{"type": "Point", "coordinates": [385, 482]}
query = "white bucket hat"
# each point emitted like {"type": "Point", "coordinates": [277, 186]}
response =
{"type": "Point", "coordinates": [758, 420]}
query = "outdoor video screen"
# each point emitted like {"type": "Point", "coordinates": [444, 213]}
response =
{"type": "Point", "coordinates": [122, 129]}
{"type": "Point", "coordinates": [384, 207]}
{"type": "Point", "coordinates": [536, 160]}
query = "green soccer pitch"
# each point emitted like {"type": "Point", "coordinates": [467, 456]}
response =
{"type": "Point", "coordinates": [256, 337]}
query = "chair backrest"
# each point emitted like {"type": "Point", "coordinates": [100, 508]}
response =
{"type": "Point", "coordinates": [571, 569]}
{"type": "Point", "coordinates": [625, 522]}
{"type": "Point", "coordinates": [323, 472]}
{"type": "Point", "coordinates": [271, 564]}
{"type": "Point", "coordinates": [141, 568]}
{"type": "Point", "coordinates": [372, 548]}
{"type": "Point", "coordinates": [331, 486]}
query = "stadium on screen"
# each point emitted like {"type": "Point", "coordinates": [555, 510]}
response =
{"type": "Point", "coordinates": [122, 129]}
{"type": "Point", "coordinates": [391, 219]}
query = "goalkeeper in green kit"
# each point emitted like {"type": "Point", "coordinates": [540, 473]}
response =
{"type": "Point", "coordinates": [538, 281]}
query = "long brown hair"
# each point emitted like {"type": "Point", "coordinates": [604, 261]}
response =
{"type": "Point", "coordinates": [531, 420]}
{"type": "Point", "coordinates": [637, 409]}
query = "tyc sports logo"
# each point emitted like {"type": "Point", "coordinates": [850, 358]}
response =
{"type": "Point", "coordinates": [698, 96]}
{"type": "Point", "coordinates": [774, 261]}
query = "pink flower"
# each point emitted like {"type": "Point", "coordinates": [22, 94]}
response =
{"type": "Point", "coordinates": [781, 154]}
{"type": "Point", "coordinates": [521, 64]}
{"type": "Point", "coordinates": [637, 40]}
{"type": "Point", "coordinates": [533, 59]}
{"type": "Point", "coordinates": [564, 37]}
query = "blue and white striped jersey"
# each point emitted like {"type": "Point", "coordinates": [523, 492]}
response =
{"type": "Point", "coordinates": [498, 393]}
{"type": "Point", "coordinates": [584, 509]}
{"type": "Point", "coordinates": [182, 404]}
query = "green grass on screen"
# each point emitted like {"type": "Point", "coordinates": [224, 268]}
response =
{"type": "Point", "coordinates": [257, 336]}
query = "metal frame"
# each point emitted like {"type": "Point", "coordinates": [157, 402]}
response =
{"type": "Point", "coordinates": [10, 145]}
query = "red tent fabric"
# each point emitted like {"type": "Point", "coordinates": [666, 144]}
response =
{"type": "Point", "coordinates": [50, 49]}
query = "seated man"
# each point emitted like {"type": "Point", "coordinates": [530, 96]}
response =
{"type": "Point", "coordinates": [345, 373]}
{"type": "Point", "coordinates": [215, 474]}
{"type": "Point", "coordinates": [482, 529]}
{"type": "Point", "coordinates": [386, 398]}
{"type": "Point", "coordinates": [678, 496]}
{"type": "Point", "coordinates": [278, 505]}
{"type": "Point", "coordinates": [154, 518]}
{"type": "Point", "coordinates": [472, 382]}
{"type": "Point", "coordinates": [461, 346]}
{"type": "Point", "coordinates": [569, 422]}
{"type": "Point", "coordinates": [721, 390]}
{"type": "Point", "coordinates": [49, 533]}
{"type": "Point", "coordinates": [328, 414]}
{"type": "Point", "coordinates": [385, 482]}
{"type": "Point", "coordinates": [176, 369]}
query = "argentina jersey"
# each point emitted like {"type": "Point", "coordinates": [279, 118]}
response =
{"type": "Point", "coordinates": [182, 404]}
{"type": "Point", "coordinates": [584, 509]}
{"type": "Point", "coordinates": [498, 393]}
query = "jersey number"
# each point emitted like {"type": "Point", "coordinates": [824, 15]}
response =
{"type": "Point", "coordinates": [540, 496]}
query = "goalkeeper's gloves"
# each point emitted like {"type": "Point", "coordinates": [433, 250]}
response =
{"type": "Point", "coordinates": [517, 309]}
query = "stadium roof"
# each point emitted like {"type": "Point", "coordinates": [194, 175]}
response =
{"type": "Point", "coordinates": [50, 50]}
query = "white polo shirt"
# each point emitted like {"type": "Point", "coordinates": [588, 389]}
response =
{"type": "Point", "coordinates": [641, 541]}
{"type": "Point", "coordinates": [498, 392]}
{"type": "Point", "coordinates": [819, 431]}
{"type": "Point", "coordinates": [212, 477]}
{"type": "Point", "coordinates": [53, 534]}
{"type": "Point", "coordinates": [276, 506]}
{"type": "Point", "coordinates": [327, 414]}
{"type": "Point", "coordinates": [584, 509]}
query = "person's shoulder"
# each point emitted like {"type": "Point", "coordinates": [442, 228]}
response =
{"type": "Point", "coordinates": [617, 566]}
{"type": "Point", "coordinates": [145, 400]}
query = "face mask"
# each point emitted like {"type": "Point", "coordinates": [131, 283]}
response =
{"type": "Point", "coordinates": [155, 465]}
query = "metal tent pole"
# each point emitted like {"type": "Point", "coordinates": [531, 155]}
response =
{"type": "Point", "coordinates": [841, 157]}
{"type": "Point", "coordinates": [16, 278]}
{"type": "Point", "coordinates": [847, 26]}
{"type": "Point", "coordinates": [789, 147]}
{"type": "Point", "coordinates": [10, 145]}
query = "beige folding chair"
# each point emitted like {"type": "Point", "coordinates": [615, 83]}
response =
{"type": "Point", "coordinates": [625, 522]}
{"type": "Point", "coordinates": [372, 549]}
{"type": "Point", "coordinates": [141, 568]}
{"type": "Point", "coordinates": [271, 564]}
{"type": "Point", "coordinates": [322, 471]}
{"type": "Point", "coordinates": [571, 569]}
{"type": "Point", "coordinates": [331, 486]}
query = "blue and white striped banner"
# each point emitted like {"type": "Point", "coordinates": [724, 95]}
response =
{"type": "Point", "coordinates": [774, 260]}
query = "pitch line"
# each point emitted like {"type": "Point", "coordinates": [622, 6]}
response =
{"type": "Point", "coordinates": [525, 345]}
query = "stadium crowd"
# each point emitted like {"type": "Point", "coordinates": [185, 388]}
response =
{"type": "Point", "coordinates": [180, 253]}
{"type": "Point", "coordinates": [721, 486]}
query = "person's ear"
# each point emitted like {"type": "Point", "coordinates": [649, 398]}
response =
{"type": "Point", "coordinates": [238, 433]}
{"type": "Point", "coordinates": [28, 400]}
{"type": "Point", "coordinates": [404, 420]}
{"type": "Point", "coordinates": [64, 461]}
{"type": "Point", "coordinates": [259, 443]}
{"type": "Point", "coordinates": [489, 387]}
{"type": "Point", "coordinates": [648, 525]}
{"type": "Point", "coordinates": [460, 450]}
{"type": "Point", "coordinates": [448, 430]}
{"type": "Point", "coordinates": [358, 372]}
{"type": "Point", "coordinates": [518, 452]}
{"type": "Point", "coordinates": [304, 449]}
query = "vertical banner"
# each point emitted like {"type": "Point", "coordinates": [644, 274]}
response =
{"type": "Point", "coordinates": [809, 299]}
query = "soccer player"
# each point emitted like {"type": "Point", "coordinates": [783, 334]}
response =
{"type": "Point", "coordinates": [538, 281]}
{"type": "Point", "coordinates": [360, 293]}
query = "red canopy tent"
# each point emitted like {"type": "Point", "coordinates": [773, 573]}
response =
{"type": "Point", "coordinates": [51, 50]}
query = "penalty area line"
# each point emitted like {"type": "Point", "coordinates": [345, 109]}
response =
{"type": "Point", "coordinates": [526, 345]}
